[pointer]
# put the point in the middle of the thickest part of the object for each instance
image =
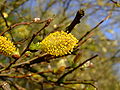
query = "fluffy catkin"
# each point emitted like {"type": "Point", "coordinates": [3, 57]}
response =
{"type": "Point", "coordinates": [6, 46]}
{"type": "Point", "coordinates": [58, 43]}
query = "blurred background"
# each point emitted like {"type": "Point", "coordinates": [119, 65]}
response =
{"type": "Point", "coordinates": [105, 69]}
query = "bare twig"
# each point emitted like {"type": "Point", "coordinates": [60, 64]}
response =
{"type": "Point", "coordinates": [24, 76]}
{"type": "Point", "coordinates": [14, 84]}
{"type": "Point", "coordinates": [5, 86]}
{"type": "Point", "coordinates": [6, 23]}
{"type": "Point", "coordinates": [86, 39]}
{"type": "Point", "coordinates": [21, 41]}
{"type": "Point", "coordinates": [76, 82]}
{"type": "Point", "coordinates": [66, 5]}
{"type": "Point", "coordinates": [114, 2]}
{"type": "Point", "coordinates": [34, 60]}
{"type": "Point", "coordinates": [64, 75]}
{"type": "Point", "coordinates": [88, 34]}
{"type": "Point", "coordinates": [22, 23]}
{"type": "Point", "coordinates": [49, 4]}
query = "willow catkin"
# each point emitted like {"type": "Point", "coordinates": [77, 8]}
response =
{"type": "Point", "coordinates": [59, 43]}
{"type": "Point", "coordinates": [6, 46]}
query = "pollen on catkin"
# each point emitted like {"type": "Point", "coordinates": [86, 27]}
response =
{"type": "Point", "coordinates": [6, 46]}
{"type": "Point", "coordinates": [58, 43]}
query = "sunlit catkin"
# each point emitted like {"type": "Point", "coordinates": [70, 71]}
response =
{"type": "Point", "coordinates": [6, 46]}
{"type": "Point", "coordinates": [58, 43]}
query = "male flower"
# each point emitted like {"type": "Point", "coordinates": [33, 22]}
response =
{"type": "Point", "coordinates": [6, 47]}
{"type": "Point", "coordinates": [58, 43]}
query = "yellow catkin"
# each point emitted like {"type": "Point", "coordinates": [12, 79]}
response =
{"type": "Point", "coordinates": [6, 47]}
{"type": "Point", "coordinates": [59, 43]}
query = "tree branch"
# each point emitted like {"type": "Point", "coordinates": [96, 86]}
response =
{"type": "Point", "coordinates": [94, 28]}
{"type": "Point", "coordinates": [76, 20]}
{"type": "Point", "coordinates": [6, 22]}
{"type": "Point", "coordinates": [86, 83]}
{"type": "Point", "coordinates": [23, 23]}
{"type": "Point", "coordinates": [64, 75]}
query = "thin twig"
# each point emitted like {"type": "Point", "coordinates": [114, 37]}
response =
{"type": "Point", "coordinates": [24, 76]}
{"type": "Point", "coordinates": [14, 84]}
{"type": "Point", "coordinates": [22, 23]}
{"type": "Point", "coordinates": [21, 41]}
{"type": "Point", "coordinates": [5, 85]}
{"type": "Point", "coordinates": [89, 32]}
{"type": "Point", "coordinates": [10, 64]}
{"type": "Point", "coordinates": [64, 75]}
{"type": "Point", "coordinates": [34, 60]}
{"type": "Point", "coordinates": [6, 23]}
{"type": "Point", "coordinates": [114, 2]}
{"type": "Point", "coordinates": [66, 83]}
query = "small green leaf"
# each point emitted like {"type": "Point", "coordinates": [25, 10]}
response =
{"type": "Point", "coordinates": [35, 46]}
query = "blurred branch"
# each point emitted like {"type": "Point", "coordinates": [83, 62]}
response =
{"type": "Point", "coordinates": [49, 5]}
{"type": "Point", "coordinates": [118, 51]}
{"type": "Point", "coordinates": [18, 87]}
{"type": "Point", "coordinates": [88, 34]}
{"type": "Point", "coordinates": [23, 23]}
{"type": "Point", "coordinates": [76, 20]}
{"type": "Point", "coordinates": [21, 41]}
{"type": "Point", "coordinates": [6, 23]}
{"type": "Point", "coordinates": [114, 2]}
{"type": "Point", "coordinates": [112, 58]}
{"type": "Point", "coordinates": [16, 5]}
{"type": "Point", "coordinates": [15, 85]}
{"type": "Point", "coordinates": [5, 85]}
{"type": "Point", "coordinates": [86, 39]}
{"type": "Point", "coordinates": [3, 5]}
{"type": "Point", "coordinates": [23, 76]}
{"type": "Point", "coordinates": [76, 82]}
{"type": "Point", "coordinates": [64, 75]}
{"type": "Point", "coordinates": [66, 5]}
